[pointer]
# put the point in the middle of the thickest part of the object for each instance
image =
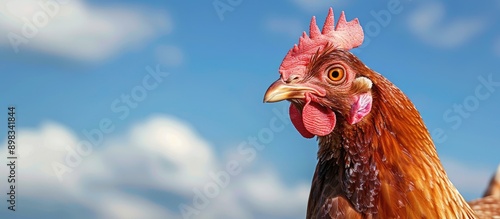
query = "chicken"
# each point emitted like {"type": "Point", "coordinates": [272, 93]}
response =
{"type": "Point", "coordinates": [494, 187]}
{"type": "Point", "coordinates": [488, 206]}
{"type": "Point", "coordinates": [376, 158]}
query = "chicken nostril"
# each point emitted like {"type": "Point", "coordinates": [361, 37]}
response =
{"type": "Point", "coordinates": [293, 78]}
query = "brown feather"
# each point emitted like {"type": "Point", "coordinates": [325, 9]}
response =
{"type": "Point", "coordinates": [487, 207]}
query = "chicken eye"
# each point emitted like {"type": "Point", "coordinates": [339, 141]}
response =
{"type": "Point", "coordinates": [336, 74]}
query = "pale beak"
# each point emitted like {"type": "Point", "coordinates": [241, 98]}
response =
{"type": "Point", "coordinates": [279, 91]}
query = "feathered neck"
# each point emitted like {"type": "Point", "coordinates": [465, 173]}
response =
{"type": "Point", "coordinates": [387, 164]}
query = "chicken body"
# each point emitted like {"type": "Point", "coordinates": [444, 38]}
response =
{"type": "Point", "coordinates": [376, 158]}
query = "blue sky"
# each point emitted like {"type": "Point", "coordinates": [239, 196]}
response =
{"type": "Point", "coordinates": [204, 114]}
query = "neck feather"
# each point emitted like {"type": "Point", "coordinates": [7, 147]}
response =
{"type": "Point", "coordinates": [388, 163]}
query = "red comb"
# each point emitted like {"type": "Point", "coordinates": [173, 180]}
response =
{"type": "Point", "coordinates": [346, 35]}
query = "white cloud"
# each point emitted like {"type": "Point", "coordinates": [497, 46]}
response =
{"type": "Point", "coordinates": [122, 206]}
{"type": "Point", "coordinates": [161, 154]}
{"type": "Point", "coordinates": [78, 30]}
{"type": "Point", "coordinates": [40, 148]}
{"type": "Point", "coordinates": [287, 26]}
{"type": "Point", "coordinates": [266, 191]}
{"type": "Point", "coordinates": [430, 25]}
{"type": "Point", "coordinates": [169, 55]}
{"type": "Point", "coordinates": [189, 156]}
{"type": "Point", "coordinates": [317, 5]}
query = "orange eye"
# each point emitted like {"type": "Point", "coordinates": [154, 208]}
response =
{"type": "Point", "coordinates": [336, 74]}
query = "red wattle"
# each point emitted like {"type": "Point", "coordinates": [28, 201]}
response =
{"type": "Point", "coordinates": [296, 118]}
{"type": "Point", "coordinates": [318, 119]}
{"type": "Point", "coordinates": [314, 119]}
